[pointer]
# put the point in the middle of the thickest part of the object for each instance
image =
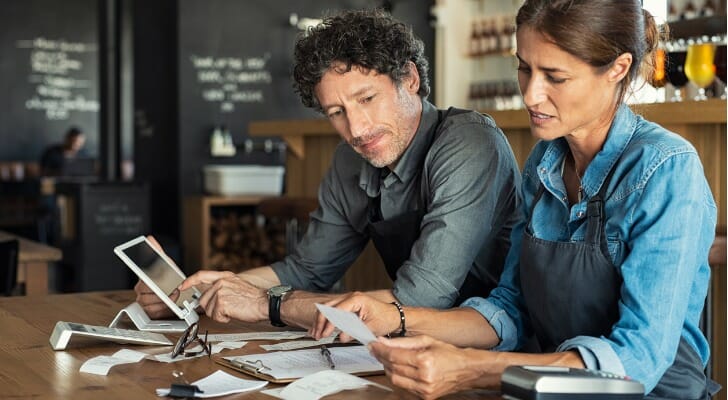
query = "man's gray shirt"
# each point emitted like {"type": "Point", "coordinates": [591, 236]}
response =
{"type": "Point", "coordinates": [468, 181]}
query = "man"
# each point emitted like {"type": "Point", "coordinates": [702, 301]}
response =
{"type": "Point", "coordinates": [54, 157]}
{"type": "Point", "coordinates": [434, 190]}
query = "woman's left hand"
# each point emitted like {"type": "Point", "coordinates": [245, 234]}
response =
{"type": "Point", "coordinates": [428, 367]}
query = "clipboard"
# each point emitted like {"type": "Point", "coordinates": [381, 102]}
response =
{"type": "Point", "coordinates": [252, 365]}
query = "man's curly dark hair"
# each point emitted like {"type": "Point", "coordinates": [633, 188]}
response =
{"type": "Point", "coordinates": [371, 39]}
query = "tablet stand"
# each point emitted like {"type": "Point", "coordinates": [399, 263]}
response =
{"type": "Point", "coordinates": [142, 321]}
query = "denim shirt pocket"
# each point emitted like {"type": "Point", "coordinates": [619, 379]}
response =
{"type": "Point", "coordinates": [616, 249]}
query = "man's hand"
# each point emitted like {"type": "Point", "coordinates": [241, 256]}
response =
{"type": "Point", "coordinates": [151, 303]}
{"type": "Point", "coordinates": [382, 318]}
{"type": "Point", "coordinates": [229, 296]}
{"type": "Point", "coordinates": [427, 367]}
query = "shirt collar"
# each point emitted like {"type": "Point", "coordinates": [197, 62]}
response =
{"type": "Point", "coordinates": [408, 166]}
{"type": "Point", "coordinates": [619, 135]}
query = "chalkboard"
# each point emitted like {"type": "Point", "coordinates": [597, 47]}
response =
{"type": "Point", "coordinates": [235, 60]}
{"type": "Point", "coordinates": [48, 75]}
{"type": "Point", "coordinates": [105, 215]}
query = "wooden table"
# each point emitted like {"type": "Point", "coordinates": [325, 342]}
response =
{"type": "Point", "coordinates": [30, 369]}
{"type": "Point", "coordinates": [33, 263]}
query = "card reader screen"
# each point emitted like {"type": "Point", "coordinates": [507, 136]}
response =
{"type": "Point", "coordinates": [158, 270]}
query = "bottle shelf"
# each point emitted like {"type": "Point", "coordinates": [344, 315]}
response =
{"type": "Point", "coordinates": [696, 27]}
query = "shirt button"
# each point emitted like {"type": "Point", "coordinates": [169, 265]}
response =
{"type": "Point", "coordinates": [564, 198]}
{"type": "Point", "coordinates": [543, 170]}
{"type": "Point", "coordinates": [580, 214]}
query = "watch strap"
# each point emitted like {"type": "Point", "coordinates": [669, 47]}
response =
{"type": "Point", "coordinates": [274, 311]}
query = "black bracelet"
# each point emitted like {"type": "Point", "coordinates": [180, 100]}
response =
{"type": "Point", "coordinates": [402, 330]}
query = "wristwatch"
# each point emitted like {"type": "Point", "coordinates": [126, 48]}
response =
{"type": "Point", "coordinates": [275, 295]}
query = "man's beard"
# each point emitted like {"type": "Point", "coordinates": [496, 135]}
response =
{"type": "Point", "coordinates": [387, 156]}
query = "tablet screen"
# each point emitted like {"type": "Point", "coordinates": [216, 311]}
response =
{"type": "Point", "coordinates": [158, 270]}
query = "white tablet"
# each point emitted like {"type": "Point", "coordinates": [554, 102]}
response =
{"type": "Point", "coordinates": [161, 275]}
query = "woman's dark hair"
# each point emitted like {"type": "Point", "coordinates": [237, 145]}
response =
{"type": "Point", "coordinates": [370, 39]}
{"type": "Point", "coordinates": [597, 32]}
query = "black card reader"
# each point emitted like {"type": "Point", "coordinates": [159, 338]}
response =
{"type": "Point", "coordinates": [551, 383]}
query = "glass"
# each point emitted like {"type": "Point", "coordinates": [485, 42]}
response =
{"type": "Point", "coordinates": [676, 69]}
{"type": "Point", "coordinates": [720, 66]}
{"type": "Point", "coordinates": [190, 337]}
{"type": "Point", "coordinates": [699, 67]}
{"type": "Point", "coordinates": [659, 77]}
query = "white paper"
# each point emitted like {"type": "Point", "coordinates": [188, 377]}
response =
{"type": "Point", "coordinates": [348, 322]}
{"type": "Point", "coordinates": [324, 383]}
{"type": "Point", "coordinates": [231, 345]}
{"type": "Point", "coordinates": [101, 365]}
{"type": "Point", "coordinates": [274, 392]}
{"type": "Point", "coordinates": [220, 383]}
{"type": "Point", "coordinates": [299, 344]}
{"type": "Point", "coordinates": [236, 337]}
{"type": "Point", "coordinates": [300, 363]}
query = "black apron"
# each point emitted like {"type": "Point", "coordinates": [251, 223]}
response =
{"type": "Point", "coordinates": [393, 238]}
{"type": "Point", "coordinates": [572, 289]}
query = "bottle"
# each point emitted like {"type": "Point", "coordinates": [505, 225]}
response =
{"type": "Point", "coordinates": [227, 140]}
{"type": "Point", "coordinates": [493, 36]}
{"type": "Point", "coordinates": [504, 38]}
{"type": "Point", "coordinates": [475, 40]}
{"type": "Point", "coordinates": [708, 9]}
{"type": "Point", "coordinates": [217, 142]}
{"type": "Point", "coordinates": [484, 36]}
{"type": "Point", "coordinates": [672, 14]}
{"type": "Point", "coordinates": [689, 12]}
{"type": "Point", "coordinates": [512, 33]}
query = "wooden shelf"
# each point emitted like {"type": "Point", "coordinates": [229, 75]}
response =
{"type": "Point", "coordinates": [696, 27]}
{"type": "Point", "coordinates": [196, 221]}
{"type": "Point", "coordinates": [292, 131]}
{"type": "Point", "coordinates": [687, 112]}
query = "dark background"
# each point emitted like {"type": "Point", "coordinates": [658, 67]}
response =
{"type": "Point", "coordinates": [25, 132]}
{"type": "Point", "coordinates": [151, 109]}
{"type": "Point", "coordinates": [173, 122]}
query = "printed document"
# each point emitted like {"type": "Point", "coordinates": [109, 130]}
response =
{"type": "Point", "coordinates": [299, 363]}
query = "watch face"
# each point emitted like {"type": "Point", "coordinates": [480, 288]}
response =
{"type": "Point", "coordinates": [279, 290]}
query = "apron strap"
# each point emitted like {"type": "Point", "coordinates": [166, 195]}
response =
{"type": "Point", "coordinates": [596, 227]}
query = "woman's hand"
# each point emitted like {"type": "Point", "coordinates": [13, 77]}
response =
{"type": "Point", "coordinates": [431, 368]}
{"type": "Point", "coordinates": [380, 317]}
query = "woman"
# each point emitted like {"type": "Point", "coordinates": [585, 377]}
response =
{"type": "Point", "coordinates": [608, 269]}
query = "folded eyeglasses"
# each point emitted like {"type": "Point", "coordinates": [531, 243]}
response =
{"type": "Point", "coordinates": [188, 338]}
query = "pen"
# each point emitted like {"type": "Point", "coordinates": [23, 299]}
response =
{"type": "Point", "coordinates": [327, 354]}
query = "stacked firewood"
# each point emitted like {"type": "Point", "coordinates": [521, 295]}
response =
{"type": "Point", "coordinates": [241, 239]}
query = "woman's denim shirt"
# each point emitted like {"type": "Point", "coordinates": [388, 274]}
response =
{"type": "Point", "coordinates": [660, 225]}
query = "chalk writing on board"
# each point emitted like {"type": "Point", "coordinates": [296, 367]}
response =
{"type": "Point", "coordinates": [117, 218]}
{"type": "Point", "coordinates": [57, 73]}
{"type": "Point", "coordinates": [231, 80]}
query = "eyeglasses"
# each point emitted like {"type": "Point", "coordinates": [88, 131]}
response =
{"type": "Point", "coordinates": [189, 337]}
